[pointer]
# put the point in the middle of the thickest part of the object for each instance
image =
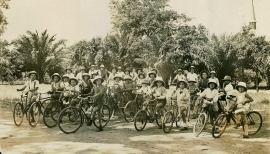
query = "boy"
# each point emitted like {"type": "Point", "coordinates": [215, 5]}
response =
{"type": "Point", "coordinates": [152, 77]}
{"type": "Point", "coordinates": [213, 75]}
{"type": "Point", "coordinates": [192, 87]}
{"type": "Point", "coordinates": [128, 87]}
{"type": "Point", "coordinates": [192, 75]}
{"type": "Point", "coordinates": [99, 94]}
{"type": "Point", "coordinates": [159, 92]}
{"type": "Point", "coordinates": [210, 96]}
{"type": "Point", "coordinates": [64, 97]}
{"type": "Point", "coordinates": [204, 80]}
{"type": "Point", "coordinates": [74, 91]}
{"type": "Point", "coordinates": [179, 76]}
{"type": "Point", "coordinates": [56, 87]}
{"type": "Point", "coordinates": [243, 106]}
{"type": "Point", "coordinates": [182, 96]}
{"type": "Point", "coordinates": [86, 84]}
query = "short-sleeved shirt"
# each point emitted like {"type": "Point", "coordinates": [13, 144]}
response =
{"type": "Point", "coordinates": [192, 76]}
{"type": "Point", "coordinates": [144, 90]}
{"type": "Point", "coordinates": [180, 77]}
{"type": "Point", "coordinates": [160, 90]}
{"type": "Point", "coordinates": [217, 81]}
{"type": "Point", "coordinates": [99, 92]}
{"type": "Point", "coordinates": [31, 84]}
{"type": "Point", "coordinates": [57, 86]}
{"type": "Point", "coordinates": [228, 88]}
{"type": "Point", "coordinates": [74, 88]}
{"type": "Point", "coordinates": [208, 93]}
{"type": "Point", "coordinates": [66, 85]}
{"type": "Point", "coordinates": [182, 96]}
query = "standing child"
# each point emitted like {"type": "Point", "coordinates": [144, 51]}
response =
{"type": "Point", "coordinates": [31, 86]}
{"type": "Point", "coordinates": [152, 77]}
{"type": "Point", "coordinates": [99, 94]}
{"type": "Point", "coordinates": [65, 95]}
{"type": "Point", "coordinates": [213, 75]}
{"type": "Point", "coordinates": [203, 81]}
{"type": "Point", "coordinates": [86, 84]}
{"type": "Point", "coordinates": [179, 76]}
{"type": "Point", "coordinates": [243, 106]}
{"type": "Point", "coordinates": [182, 96]}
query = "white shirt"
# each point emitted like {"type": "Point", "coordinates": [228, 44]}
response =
{"type": "Point", "coordinates": [144, 90]}
{"type": "Point", "coordinates": [192, 76]}
{"type": "Point", "coordinates": [30, 85]}
{"type": "Point", "coordinates": [228, 88]}
{"type": "Point", "coordinates": [208, 93]}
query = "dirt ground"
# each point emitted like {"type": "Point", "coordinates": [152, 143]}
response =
{"type": "Point", "coordinates": [121, 137]}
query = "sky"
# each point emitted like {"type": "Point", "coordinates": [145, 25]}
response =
{"type": "Point", "coordinates": [76, 20]}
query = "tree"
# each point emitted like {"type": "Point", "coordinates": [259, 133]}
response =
{"type": "Point", "coordinates": [40, 52]}
{"type": "Point", "coordinates": [3, 20]}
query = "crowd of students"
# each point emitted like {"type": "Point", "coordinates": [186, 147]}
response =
{"type": "Point", "coordinates": [93, 84]}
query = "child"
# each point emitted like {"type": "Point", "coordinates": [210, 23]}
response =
{"type": "Point", "coordinates": [159, 92]}
{"type": "Point", "coordinates": [145, 89]}
{"type": "Point", "coordinates": [192, 75]}
{"type": "Point", "coordinates": [128, 87]}
{"type": "Point", "coordinates": [86, 84]}
{"type": "Point", "coordinates": [31, 86]}
{"type": "Point", "coordinates": [243, 106]}
{"type": "Point", "coordinates": [120, 72]}
{"type": "Point", "coordinates": [92, 70]}
{"type": "Point", "coordinates": [179, 76]}
{"type": "Point", "coordinates": [140, 79]}
{"type": "Point", "coordinates": [69, 72]}
{"type": "Point", "coordinates": [127, 72]}
{"type": "Point", "coordinates": [204, 81]}
{"type": "Point", "coordinates": [56, 88]}
{"type": "Point", "coordinates": [192, 87]}
{"type": "Point", "coordinates": [152, 77]}
{"type": "Point", "coordinates": [210, 96]}
{"type": "Point", "coordinates": [74, 91]}
{"type": "Point", "coordinates": [99, 94]}
{"type": "Point", "coordinates": [103, 72]}
{"type": "Point", "coordinates": [65, 96]}
{"type": "Point", "coordinates": [182, 96]}
{"type": "Point", "coordinates": [213, 75]}
{"type": "Point", "coordinates": [79, 75]}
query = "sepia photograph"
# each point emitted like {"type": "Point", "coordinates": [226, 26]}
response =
{"type": "Point", "coordinates": [134, 76]}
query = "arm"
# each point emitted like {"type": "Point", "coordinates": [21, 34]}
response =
{"type": "Point", "coordinates": [248, 100]}
{"type": "Point", "coordinates": [100, 93]}
{"type": "Point", "coordinates": [22, 89]}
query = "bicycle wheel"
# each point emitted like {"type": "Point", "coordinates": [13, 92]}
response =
{"type": "Point", "coordinates": [200, 124]}
{"type": "Point", "coordinates": [167, 122]}
{"type": "Point", "coordinates": [130, 110]}
{"type": "Point", "coordinates": [199, 110]}
{"type": "Point", "coordinates": [48, 115]}
{"type": "Point", "coordinates": [34, 114]}
{"type": "Point", "coordinates": [140, 120]}
{"type": "Point", "coordinates": [70, 120]}
{"type": "Point", "coordinates": [43, 105]}
{"type": "Point", "coordinates": [254, 121]}
{"type": "Point", "coordinates": [105, 117]}
{"type": "Point", "coordinates": [219, 126]}
{"type": "Point", "coordinates": [160, 117]}
{"type": "Point", "coordinates": [18, 114]}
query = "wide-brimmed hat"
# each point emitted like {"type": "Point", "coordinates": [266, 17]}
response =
{"type": "Point", "coordinates": [82, 68]}
{"type": "Point", "coordinates": [102, 66]}
{"type": "Point", "coordinates": [145, 81]}
{"type": "Point", "coordinates": [68, 69]}
{"type": "Point", "coordinates": [152, 72]}
{"type": "Point", "coordinates": [139, 69]}
{"type": "Point", "coordinates": [192, 80]}
{"type": "Point", "coordinates": [56, 74]}
{"type": "Point", "coordinates": [159, 79]}
{"type": "Point", "coordinates": [183, 81]}
{"type": "Point", "coordinates": [92, 65]}
{"type": "Point", "coordinates": [141, 74]}
{"type": "Point", "coordinates": [127, 69]}
{"type": "Point", "coordinates": [86, 74]}
{"type": "Point", "coordinates": [227, 78]}
{"type": "Point", "coordinates": [127, 77]}
{"type": "Point", "coordinates": [119, 68]}
{"type": "Point", "coordinates": [241, 84]}
{"type": "Point", "coordinates": [118, 76]}
{"type": "Point", "coordinates": [180, 70]}
{"type": "Point", "coordinates": [65, 76]}
{"type": "Point", "coordinates": [212, 81]}
{"type": "Point", "coordinates": [73, 78]}
{"type": "Point", "coordinates": [192, 67]}
{"type": "Point", "coordinates": [98, 77]}
{"type": "Point", "coordinates": [204, 71]}
{"type": "Point", "coordinates": [213, 72]}
{"type": "Point", "coordinates": [33, 72]}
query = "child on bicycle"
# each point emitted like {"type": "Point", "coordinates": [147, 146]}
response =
{"type": "Point", "coordinates": [243, 106]}
{"type": "Point", "coordinates": [31, 86]}
{"type": "Point", "coordinates": [74, 91]}
{"type": "Point", "coordinates": [56, 88]}
{"type": "Point", "coordinates": [210, 98]}
{"type": "Point", "coordinates": [86, 84]}
{"type": "Point", "coordinates": [213, 75]}
{"type": "Point", "coordinates": [180, 76]}
{"type": "Point", "coordinates": [65, 94]}
{"type": "Point", "coordinates": [182, 96]}
{"type": "Point", "coordinates": [128, 87]}
{"type": "Point", "coordinates": [99, 94]}
{"type": "Point", "coordinates": [152, 77]}
{"type": "Point", "coordinates": [159, 92]}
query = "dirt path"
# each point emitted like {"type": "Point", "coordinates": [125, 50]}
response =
{"type": "Point", "coordinates": [121, 137]}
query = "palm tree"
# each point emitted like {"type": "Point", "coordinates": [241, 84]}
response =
{"type": "Point", "coordinates": [39, 52]}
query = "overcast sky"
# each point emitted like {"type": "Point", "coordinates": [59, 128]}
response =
{"type": "Point", "coordinates": [76, 20]}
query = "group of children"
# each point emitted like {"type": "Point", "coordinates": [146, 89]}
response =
{"type": "Point", "coordinates": [67, 89]}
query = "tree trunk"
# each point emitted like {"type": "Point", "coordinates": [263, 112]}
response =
{"type": "Point", "coordinates": [256, 82]}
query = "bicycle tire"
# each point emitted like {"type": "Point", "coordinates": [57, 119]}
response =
{"type": "Point", "coordinates": [167, 122]}
{"type": "Point", "coordinates": [48, 119]}
{"type": "Point", "coordinates": [254, 120]}
{"type": "Point", "coordinates": [199, 110]}
{"type": "Point", "coordinates": [219, 126]}
{"type": "Point", "coordinates": [160, 117]}
{"type": "Point", "coordinates": [140, 120]}
{"type": "Point", "coordinates": [130, 110]}
{"type": "Point", "coordinates": [18, 114]}
{"type": "Point", "coordinates": [34, 112]}
{"type": "Point", "coordinates": [44, 103]}
{"type": "Point", "coordinates": [200, 124]}
{"type": "Point", "coordinates": [70, 120]}
{"type": "Point", "coordinates": [105, 113]}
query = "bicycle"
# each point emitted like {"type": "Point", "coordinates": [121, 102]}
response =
{"type": "Point", "coordinates": [110, 100]}
{"type": "Point", "coordinates": [254, 121]}
{"type": "Point", "coordinates": [72, 118]}
{"type": "Point", "coordinates": [36, 109]}
{"type": "Point", "coordinates": [202, 119]}
{"type": "Point", "coordinates": [170, 116]}
{"type": "Point", "coordinates": [132, 107]}
{"type": "Point", "coordinates": [148, 114]}
{"type": "Point", "coordinates": [51, 112]}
